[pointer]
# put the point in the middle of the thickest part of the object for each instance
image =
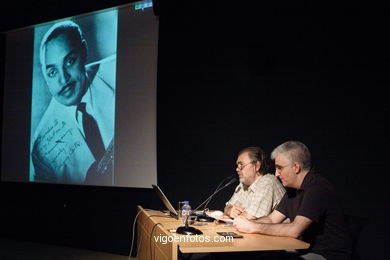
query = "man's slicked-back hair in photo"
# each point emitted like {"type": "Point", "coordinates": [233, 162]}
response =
{"type": "Point", "coordinates": [66, 27]}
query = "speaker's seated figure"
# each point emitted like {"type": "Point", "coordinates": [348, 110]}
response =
{"type": "Point", "coordinates": [259, 192]}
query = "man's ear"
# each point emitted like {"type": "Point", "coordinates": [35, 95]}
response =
{"type": "Point", "coordinates": [84, 51]}
{"type": "Point", "coordinates": [258, 166]}
{"type": "Point", "coordinates": [297, 167]}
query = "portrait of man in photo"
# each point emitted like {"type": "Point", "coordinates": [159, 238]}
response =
{"type": "Point", "coordinates": [73, 133]}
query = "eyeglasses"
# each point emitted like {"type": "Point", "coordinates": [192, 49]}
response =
{"type": "Point", "coordinates": [280, 168]}
{"type": "Point", "coordinates": [241, 166]}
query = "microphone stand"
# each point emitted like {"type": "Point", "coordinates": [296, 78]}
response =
{"type": "Point", "coordinates": [202, 217]}
{"type": "Point", "coordinates": [187, 230]}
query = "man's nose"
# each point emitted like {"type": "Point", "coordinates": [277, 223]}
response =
{"type": "Point", "coordinates": [277, 174]}
{"type": "Point", "coordinates": [64, 76]}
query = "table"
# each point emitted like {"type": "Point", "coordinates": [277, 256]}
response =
{"type": "Point", "coordinates": [156, 241]}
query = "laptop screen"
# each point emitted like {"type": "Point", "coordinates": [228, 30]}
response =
{"type": "Point", "coordinates": [165, 201]}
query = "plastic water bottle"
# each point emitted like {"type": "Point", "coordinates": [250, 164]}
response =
{"type": "Point", "coordinates": [185, 212]}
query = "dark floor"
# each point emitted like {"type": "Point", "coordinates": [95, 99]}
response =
{"type": "Point", "coordinates": [19, 250]}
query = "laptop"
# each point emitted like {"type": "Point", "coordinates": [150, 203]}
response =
{"type": "Point", "coordinates": [165, 201]}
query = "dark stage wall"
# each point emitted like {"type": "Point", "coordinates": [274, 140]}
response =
{"type": "Point", "coordinates": [231, 77]}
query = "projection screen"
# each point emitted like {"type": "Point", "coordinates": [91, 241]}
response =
{"type": "Point", "coordinates": [79, 104]}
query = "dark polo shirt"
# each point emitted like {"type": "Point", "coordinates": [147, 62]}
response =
{"type": "Point", "coordinates": [317, 200]}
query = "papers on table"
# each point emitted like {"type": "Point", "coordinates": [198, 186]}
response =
{"type": "Point", "coordinates": [218, 215]}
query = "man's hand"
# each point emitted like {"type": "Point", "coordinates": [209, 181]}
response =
{"type": "Point", "coordinates": [244, 225]}
{"type": "Point", "coordinates": [235, 211]}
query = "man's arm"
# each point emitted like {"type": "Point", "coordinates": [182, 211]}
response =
{"type": "Point", "coordinates": [294, 229]}
{"type": "Point", "coordinates": [275, 217]}
{"type": "Point", "coordinates": [227, 209]}
{"type": "Point", "coordinates": [232, 211]}
{"type": "Point", "coordinates": [248, 216]}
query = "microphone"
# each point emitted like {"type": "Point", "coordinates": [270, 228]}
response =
{"type": "Point", "coordinates": [187, 230]}
{"type": "Point", "coordinates": [232, 179]}
{"type": "Point", "coordinates": [202, 216]}
{"type": "Point", "coordinates": [233, 176]}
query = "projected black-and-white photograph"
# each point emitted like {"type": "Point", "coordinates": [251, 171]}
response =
{"type": "Point", "coordinates": [80, 100]}
{"type": "Point", "coordinates": [73, 100]}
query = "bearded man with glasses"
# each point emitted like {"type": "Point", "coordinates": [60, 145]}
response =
{"type": "Point", "coordinates": [258, 193]}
